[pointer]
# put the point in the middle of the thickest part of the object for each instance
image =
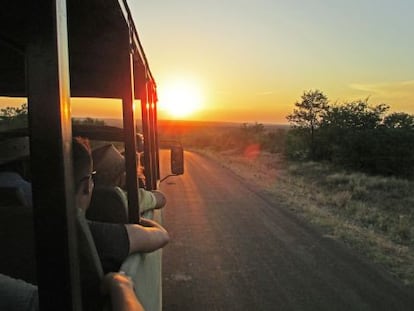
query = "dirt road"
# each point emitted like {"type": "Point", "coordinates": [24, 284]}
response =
{"type": "Point", "coordinates": [231, 249]}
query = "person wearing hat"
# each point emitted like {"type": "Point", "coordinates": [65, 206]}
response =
{"type": "Point", "coordinates": [17, 294]}
{"type": "Point", "coordinates": [109, 165]}
{"type": "Point", "coordinates": [113, 241]}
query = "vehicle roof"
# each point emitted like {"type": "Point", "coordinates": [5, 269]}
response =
{"type": "Point", "coordinates": [98, 36]}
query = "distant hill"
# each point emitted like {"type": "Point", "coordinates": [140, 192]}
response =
{"type": "Point", "coordinates": [113, 122]}
{"type": "Point", "coordinates": [190, 124]}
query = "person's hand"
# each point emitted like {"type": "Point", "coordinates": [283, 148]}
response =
{"type": "Point", "coordinates": [147, 222]}
{"type": "Point", "coordinates": [113, 280]}
{"type": "Point", "coordinates": [159, 198]}
{"type": "Point", "coordinates": [120, 290]}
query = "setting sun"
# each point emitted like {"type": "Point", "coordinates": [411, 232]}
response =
{"type": "Point", "coordinates": [180, 98]}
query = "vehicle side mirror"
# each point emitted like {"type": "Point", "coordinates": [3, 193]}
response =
{"type": "Point", "coordinates": [177, 160]}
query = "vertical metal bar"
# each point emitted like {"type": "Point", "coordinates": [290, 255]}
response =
{"type": "Point", "coordinates": [153, 145]}
{"type": "Point", "coordinates": [145, 106]}
{"type": "Point", "coordinates": [51, 161]}
{"type": "Point", "coordinates": [130, 142]}
{"type": "Point", "coordinates": [157, 147]}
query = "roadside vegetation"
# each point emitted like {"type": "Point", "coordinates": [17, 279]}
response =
{"type": "Point", "coordinates": [372, 214]}
{"type": "Point", "coordinates": [17, 117]}
{"type": "Point", "coordinates": [13, 117]}
{"type": "Point", "coordinates": [353, 135]}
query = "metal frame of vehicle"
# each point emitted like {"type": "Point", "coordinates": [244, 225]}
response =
{"type": "Point", "coordinates": [51, 50]}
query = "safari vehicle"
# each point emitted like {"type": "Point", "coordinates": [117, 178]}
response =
{"type": "Point", "coordinates": [51, 51]}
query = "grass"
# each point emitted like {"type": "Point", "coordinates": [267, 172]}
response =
{"type": "Point", "coordinates": [371, 214]}
{"type": "Point", "coordinates": [384, 205]}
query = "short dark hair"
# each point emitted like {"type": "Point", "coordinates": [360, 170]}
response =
{"type": "Point", "coordinates": [82, 159]}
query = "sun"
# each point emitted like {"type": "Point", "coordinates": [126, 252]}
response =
{"type": "Point", "coordinates": [180, 98]}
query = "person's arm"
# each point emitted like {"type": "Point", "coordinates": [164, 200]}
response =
{"type": "Point", "coordinates": [146, 237]}
{"type": "Point", "coordinates": [121, 291]}
{"type": "Point", "coordinates": [17, 295]}
{"type": "Point", "coordinates": [149, 200]}
{"type": "Point", "coordinates": [159, 198]}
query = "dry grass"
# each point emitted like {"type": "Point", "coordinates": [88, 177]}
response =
{"type": "Point", "coordinates": [373, 215]}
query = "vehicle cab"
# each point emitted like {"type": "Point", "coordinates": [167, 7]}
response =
{"type": "Point", "coordinates": [50, 52]}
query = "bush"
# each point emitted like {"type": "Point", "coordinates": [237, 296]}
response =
{"type": "Point", "coordinates": [355, 136]}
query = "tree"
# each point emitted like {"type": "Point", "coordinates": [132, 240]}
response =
{"type": "Point", "coordinates": [348, 134]}
{"type": "Point", "coordinates": [399, 120]}
{"type": "Point", "coordinates": [354, 115]}
{"type": "Point", "coordinates": [88, 121]}
{"type": "Point", "coordinates": [308, 114]}
{"type": "Point", "coordinates": [354, 135]}
{"type": "Point", "coordinates": [13, 117]}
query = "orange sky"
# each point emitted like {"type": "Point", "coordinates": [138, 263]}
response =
{"type": "Point", "coordinates": [250, 61]}
{"type": "Point", "coordinates": [254, 59]}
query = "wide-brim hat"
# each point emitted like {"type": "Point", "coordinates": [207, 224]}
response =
{"type": "Point", "coordinates": [108, 163]}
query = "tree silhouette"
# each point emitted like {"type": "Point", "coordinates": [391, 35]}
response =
{"type": "Point", "coordinates": [13, 117]}
{"type": "Point", "coordinates": [399, 120]}
{"type": "Point", "coordinates": [308, 114]}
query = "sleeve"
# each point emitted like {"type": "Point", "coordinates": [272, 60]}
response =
{"type": "Point", "coordinates": [147, 200]}
{"type": "Point", "coordinates": [17, 295]}
{"type": "Point", "coordinates": [112, 243]}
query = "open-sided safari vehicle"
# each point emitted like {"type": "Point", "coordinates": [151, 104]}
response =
{"type": "Point", "coordinates": [51, 51]}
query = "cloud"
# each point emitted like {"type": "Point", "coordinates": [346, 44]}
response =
{"type": "Point", "coordinates": [391, 90]}
{"type": "Point", "coordinates": [399, 95]}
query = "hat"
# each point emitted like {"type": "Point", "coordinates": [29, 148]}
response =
{"type": "Point", "coordinates": [108, 163]}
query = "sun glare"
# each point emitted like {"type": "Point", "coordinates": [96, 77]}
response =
{"type": "Point", "coordinates": [180, 99]}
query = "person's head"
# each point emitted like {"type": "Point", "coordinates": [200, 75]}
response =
{"type": "Point", "coordinates": [109, 164]}
{"type": "Point", "coordinates": [83, 171]}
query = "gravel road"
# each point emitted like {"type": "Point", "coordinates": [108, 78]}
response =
{"type": "Point", "coordinates": [231, 249]}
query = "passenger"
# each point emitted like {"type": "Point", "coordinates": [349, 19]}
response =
{"type": "Point", "coordinates": [114, 242]}
{"type": "Point", "coordinates": [109, 165]}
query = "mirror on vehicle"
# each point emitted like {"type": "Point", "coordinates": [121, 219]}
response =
{"type": "Point", "coordinates": [177, 160]}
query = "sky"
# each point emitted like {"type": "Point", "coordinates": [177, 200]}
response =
{"type": "Point", "coordinates": [250, 61]}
